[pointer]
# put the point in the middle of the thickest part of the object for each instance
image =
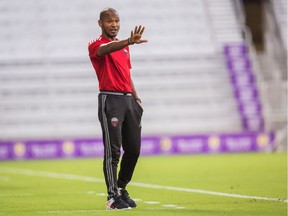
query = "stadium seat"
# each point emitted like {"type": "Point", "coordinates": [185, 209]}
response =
{"type": "Point", "coordinates": [48, 88]}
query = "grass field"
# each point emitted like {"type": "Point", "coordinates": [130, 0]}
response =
{"type": "Point", "coordinates": [204, 185]}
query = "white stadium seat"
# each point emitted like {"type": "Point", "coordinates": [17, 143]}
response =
{"type": "Point", "coordinates": [48, 88]}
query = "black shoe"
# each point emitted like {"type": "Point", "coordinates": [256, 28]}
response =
{"type": "Point", "coordinates": [116, 202]}
{"type": "Point", "coordinates": [125, 197]}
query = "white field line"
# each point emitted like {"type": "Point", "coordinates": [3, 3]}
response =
{"type": "Point", "coordinates": [152, 202]}
{"type": "Point", "coordinates": [136, 184]}
{"type": "Point", "coordinates": [69, 211]}
{"type": "Point", "coordinates": [190, 190]}
{"type": "Point", "coordinates": [91, 211]}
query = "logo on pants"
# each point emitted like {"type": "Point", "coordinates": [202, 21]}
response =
{"type": "Point", "coordinates": [114, 121]}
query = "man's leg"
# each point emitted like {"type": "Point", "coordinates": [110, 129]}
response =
{"type": "Point", "coordinates": [131, 136]}
{"type": "Point", "coordinates": [111, 122]}
{"type": "Point", "coordinates": [111, 148]}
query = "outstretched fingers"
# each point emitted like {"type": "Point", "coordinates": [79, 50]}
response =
{"type": "Point", "coordinates": [142, 30]}
{"type": "Point", "coordinates": [137, 34]}
{"type": "Point", "coordinates": [135, 29]}
{"type": "Point", "coordinates": [139, 29]}
{"type": "Point", "coordinates": [131, 35]}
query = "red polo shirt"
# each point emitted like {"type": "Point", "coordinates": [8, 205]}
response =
{"type": "Point", "coordinates": [112, 70]}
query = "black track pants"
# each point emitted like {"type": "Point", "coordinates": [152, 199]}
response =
{"type": "Point", "coordinates": [120, 118]}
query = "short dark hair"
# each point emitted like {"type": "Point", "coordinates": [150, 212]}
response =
{"type": "Point", "coordinates": [106, 11]}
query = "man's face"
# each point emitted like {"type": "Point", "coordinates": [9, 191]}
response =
{"type": "Point", "coordinates": [110, 25]}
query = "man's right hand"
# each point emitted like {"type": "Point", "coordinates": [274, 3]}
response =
{"type": "Point", "coordinates": [136, 35]}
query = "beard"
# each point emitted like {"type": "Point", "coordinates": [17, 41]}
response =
{"type": "Point", "coordinates": [111, 33]}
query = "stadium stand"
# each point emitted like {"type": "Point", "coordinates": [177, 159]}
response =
{"type": "Point", "coordinates": [48, 88]}
{"type": "Point", "coordinates": [274, 67]}
{"type": "Point", "coordinates": [280, 10]}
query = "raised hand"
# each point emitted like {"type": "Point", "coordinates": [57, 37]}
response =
{"type": "Point", "coordinates": [136, 35]}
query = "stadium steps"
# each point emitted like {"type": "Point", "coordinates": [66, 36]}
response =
{"type": "Point", "coordinates": [48, 88]}
{"type": "Point", "coordinates": [224, 24]}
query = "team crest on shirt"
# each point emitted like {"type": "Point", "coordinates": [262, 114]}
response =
{"type": "Point", "coordinates": [114, 121]}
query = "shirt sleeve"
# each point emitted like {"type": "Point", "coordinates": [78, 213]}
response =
{"type": "Point", "coordinates": [93, 49]}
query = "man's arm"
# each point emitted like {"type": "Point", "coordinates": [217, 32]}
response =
{"type": "Point", "coordinates": [114, 46]}
{"type": "Point", "coordinates": [134, 93]}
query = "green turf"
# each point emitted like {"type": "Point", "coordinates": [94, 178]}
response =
{"type": "Point", "coordinates": [263, 175]}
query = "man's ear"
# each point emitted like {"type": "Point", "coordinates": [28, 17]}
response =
{"type": "Point", "coordinates": [100, 23]}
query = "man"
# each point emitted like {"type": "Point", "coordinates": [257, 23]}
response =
{"type": "Point", "coordinates": [119, 109]}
